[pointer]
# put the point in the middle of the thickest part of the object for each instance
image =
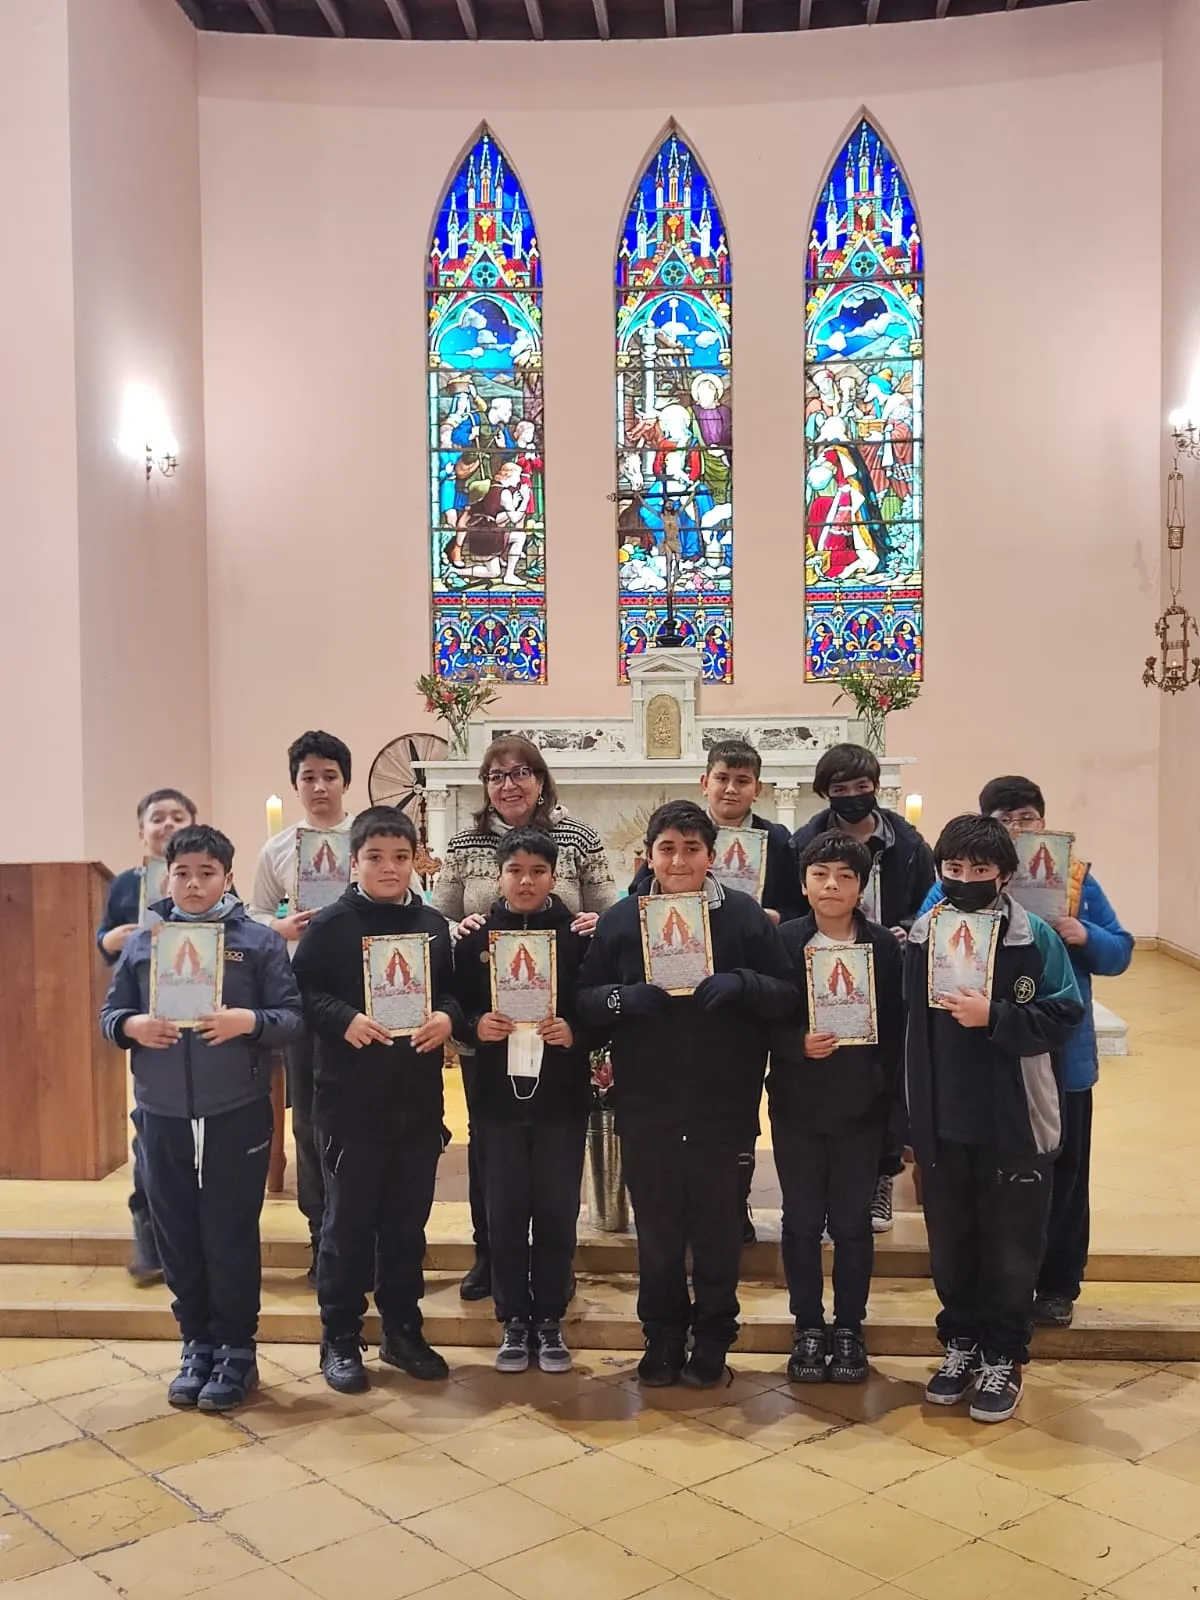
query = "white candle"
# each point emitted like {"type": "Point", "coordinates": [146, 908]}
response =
{"type": "Point", "coordinates": [274, 815]}
{"type": "Point", "coordinates": [913, 805]}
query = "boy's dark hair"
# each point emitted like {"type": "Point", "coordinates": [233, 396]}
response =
{"type": "Point", "coordinates": [686, 817]}
{"type": "Point", "coordinates": [200, 840]}
{"type": "Point", "coordinates": [382, 822]}
{"type": "Point", "coordinates": [1010, 794]}
{"type": "Point", "coordinates": [735, 753]}
{"type": "Point", "coordinates": [843, 763]}
{"type": "Point", "coordinates": [534, 842]}
{"type": "Point", "coordinates": [980, 840]}
{"type": "Point", "coordinates": [318, 743]}
{"type": "Point", "coordinates": [155, 795]}
{"type": "Point", "coordinates": [837, 847]}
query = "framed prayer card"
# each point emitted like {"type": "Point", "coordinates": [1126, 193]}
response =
{"type": "Point", "coordinates": [741, 860]}
{"type": "Point", "coordinates": [676, 941]}
{"type": "Point", "coordinates": [524, 975]}
{"type": "Point", "coordinates": [841, 992]}
{"type": "Point", "coordinates": [1043, 879]}
{"type": "Point", "coordinates": [962, 952]}
{"type": "Point", "coordinates": [187, 966]}
{"type": "Point", "coordinates": [322, 868]}
{"type": "Point", "coordinates": [154, 885]}
{"type": "Point", "coordinates": [396, 982]}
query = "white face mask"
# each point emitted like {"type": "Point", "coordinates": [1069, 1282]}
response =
{"type": "Point", "coordinates": [525, 1049]}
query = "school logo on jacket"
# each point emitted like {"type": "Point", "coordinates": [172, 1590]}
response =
{"type": "Point", "coordinates": [1024, 990]}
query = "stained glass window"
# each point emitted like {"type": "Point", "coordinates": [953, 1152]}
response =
{"type": "Point", "coordinates": [486, 491]}
{"type": "Point", "coordinates": [864, 407]}
{"type": "Point", "coordinates": [675, 414]}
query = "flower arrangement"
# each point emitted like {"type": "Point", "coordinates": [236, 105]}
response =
{"type": "Point", "coordinates": [877, 692]}
{"type": "Point", "coordinates": [456, 702]}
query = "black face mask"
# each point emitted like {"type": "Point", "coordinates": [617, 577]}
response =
{"type": "Point", "coordinates": [964, 896]}
{"type": "Point", "coordinates": [852, 807]}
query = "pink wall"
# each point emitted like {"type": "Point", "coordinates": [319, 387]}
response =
{"type": "Point", "coordinates": [1179, 911]}
{"type": "Point", "coordinates": [41, 803]}
{"type": "Point", "coordinates": [1032, 142]}
{"type": "Point", "coordinates": [135, 202]}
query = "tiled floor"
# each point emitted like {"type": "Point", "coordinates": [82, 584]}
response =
{"type": "Point", "coordinates": [490, 1487]}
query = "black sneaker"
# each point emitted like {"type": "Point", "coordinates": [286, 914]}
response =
{"type": "Point", "coordinates": [881, 1206]}
{"type": "Point", "coordinates": [195, 1369]}
{"type": "Point", "coordinates": [477, 1285]}
{"type": "Point", "coordinates": [663, 1362]}
{"type": "Point", "coordinates": [407, 1349]}
{"type": "Point", "coordinates": [706, 1366]}
{"type": "Point", "coordinates": [145, 1267]}
{"type": "Point", "coordinates": [552, 1352]}
{"type": "Point", "coordinates": [342, 1365]}
{"type": "Point", "coordinates": [997, 1390]}
{"type": "Point", "coordinates": [807, 1361]}
{"type": "Point", "coordinates": [513, 1354]}
{"type": "Point", "coordinates": [234, 1374]}
{"type": "Point", "coordinates": [955, 1378]}
{"type": "Point", "coordinates": [1053, 1311]}
{"type": "Point", "coordinates": [848, 1363]}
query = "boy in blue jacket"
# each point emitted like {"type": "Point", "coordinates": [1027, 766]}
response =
{"type": "Point", "coordinates": [159, 814]}
{"type": "Point", "coordinates": [204, 1118]}
{"type": "Point", "coordinates": [1098, 947]}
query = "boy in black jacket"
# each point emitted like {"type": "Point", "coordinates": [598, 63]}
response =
{"type": "Point", "coordinates": [830, 1105]}
{"type": "Point", "coordinates": [378, 1108]}
{"type": "Point", "coordinates": [901, 875]}
{"type": "Point", "coordinates": [532, 1095]}
{"type": "Point", "coordinates": [984, 1100]}
{"type": "Point", "coordinates": [688, 1074]}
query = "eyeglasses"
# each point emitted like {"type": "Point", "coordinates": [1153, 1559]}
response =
{"type": "Point", "coordinates": [497, 780]}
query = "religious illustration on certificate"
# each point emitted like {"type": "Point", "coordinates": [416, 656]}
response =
{"type": "Point", "coordinates": [187, 966]}
{"type": "Point", "coordinates": [1043, 881]}
{"type": "Point", "coordinates": [322, 868]}
{"type": "Point", "coordinates": [741, 860]}
{"type": "Point", "coordinates": [841, 992]}
{"type": "Point", "coordinates": [524, 975]}
{"type": "Point", "coordinates": [396, 982]}
{"type": "Point", "coordinates": [154, 887]}
{"type": "Point", "coordinates": [962, 952]}
{"type": "Point", "coordinates": [676, 942]}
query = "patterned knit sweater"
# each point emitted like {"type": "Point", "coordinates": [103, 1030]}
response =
{"type": "Point", "coordinates": [466, 885]}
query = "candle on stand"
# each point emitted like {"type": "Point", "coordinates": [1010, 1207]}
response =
{"type": "Point", "coordinates": [274, 815]}
{"type": "Point", "coordinates": [913, 805]}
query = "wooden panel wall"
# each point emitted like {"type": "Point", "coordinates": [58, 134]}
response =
{"type": "Point", "coordinates": [62, 1085]}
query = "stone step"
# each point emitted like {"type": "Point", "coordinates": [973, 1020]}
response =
{"type": "Point", "coordinates": [1145, 1322]}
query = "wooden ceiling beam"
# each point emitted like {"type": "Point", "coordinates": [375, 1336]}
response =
{"type": "Point", "coordinates": [467, 13]}
{"type": "Point", "coordinates": [537, 27]}
{"type": "Point", "coordinates": [332, 12]}
{"type": "Point", "coordinates": [264, 15]}
{"type": "Point", "coordinates": [600, 7]}
{"type": "Point", "coordinates": [399, 15]}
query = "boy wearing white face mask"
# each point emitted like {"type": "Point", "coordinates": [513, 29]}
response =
{"type": "Point", "coordinates": [902, 873]}
{"type": "Point", "coordinates": [532, 1096]}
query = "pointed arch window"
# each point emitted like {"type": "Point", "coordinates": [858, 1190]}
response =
{"type": "Point", "coordinates": [864, 415]}
{"type": "Point", "coordinates": [674, 414]}
{"type": "Point", "coordinates": [486, 484]}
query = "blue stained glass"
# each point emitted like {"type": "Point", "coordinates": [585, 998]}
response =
{"type": "Point", "coordinates": [674, 412]}
{"type": "Point", "coordinates": [486, 464]}
{"type": "Point", "coordinates": [864, 418]}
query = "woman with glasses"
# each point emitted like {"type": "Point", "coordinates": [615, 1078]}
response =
{"type": "Point", "coordinates": [518, 792]}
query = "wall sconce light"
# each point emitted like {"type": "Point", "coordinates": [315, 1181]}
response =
{"type": "Point", "coordinates": [1174, 668]}
{"type": "Point", "coordinates": [1185, 430]}
{"type": "Point", "coordinates": [146, 434]}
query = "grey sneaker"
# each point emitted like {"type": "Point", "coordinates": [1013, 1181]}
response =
{"type": "Point", "coordinates": [881, 1206]}
{"type": "Point", "coordinates": [513, 1354]}
{"type": "Point", "coordinates": [955, 1378]}
{"type": "Point", "coordinates": [552, 1353]}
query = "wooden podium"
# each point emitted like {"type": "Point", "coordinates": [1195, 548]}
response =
{"type": "Point", "coordinates": [63, 1109]}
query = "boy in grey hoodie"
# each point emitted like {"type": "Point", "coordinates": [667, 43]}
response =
{"type": "Point", "coordinates": [204, 1118]}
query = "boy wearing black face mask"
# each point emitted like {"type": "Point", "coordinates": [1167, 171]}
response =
{"type": "Point", "coordinates": [901, 875]}
{"type": "Point", "coordinates": [985, 1109]}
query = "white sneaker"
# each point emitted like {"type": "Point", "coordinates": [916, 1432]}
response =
{"type": "Point", "coordinates": [513, 1354]}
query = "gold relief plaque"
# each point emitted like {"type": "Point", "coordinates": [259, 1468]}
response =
{"type": "Point", "coordinates": [663, 729]}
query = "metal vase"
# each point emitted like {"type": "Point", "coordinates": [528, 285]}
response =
{"type": "Point", "coordinates": [604, 1174]}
